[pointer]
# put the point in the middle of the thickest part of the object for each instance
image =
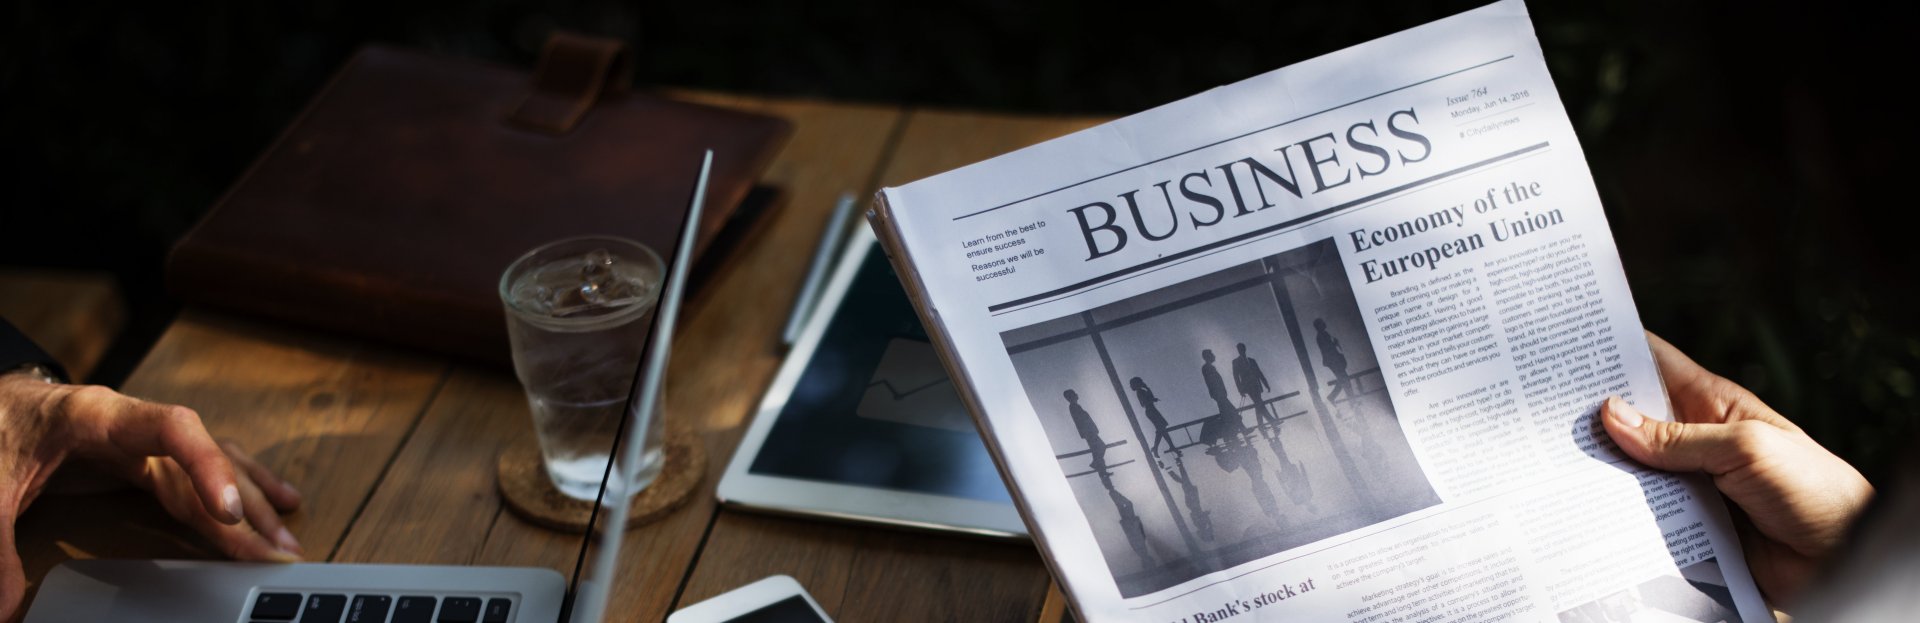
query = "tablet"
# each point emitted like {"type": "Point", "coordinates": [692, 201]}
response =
{"type": "Point", "coordinates": [861, 422]}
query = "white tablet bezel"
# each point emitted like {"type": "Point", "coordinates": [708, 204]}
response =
{"type": "Point", "coordinates": [746, 599]}
{"type": "Point", "coordinates": [739, 487]}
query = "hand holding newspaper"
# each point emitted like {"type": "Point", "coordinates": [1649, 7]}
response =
{"type": "Point", "coordinates": [1323, 345]}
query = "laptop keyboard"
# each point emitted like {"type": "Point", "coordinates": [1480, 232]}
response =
{"type": "Point", "coordinates": [338, 608]}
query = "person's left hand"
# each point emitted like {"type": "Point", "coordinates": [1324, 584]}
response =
{"type": "Point", "coordinates": [1798, 499]}
{"type": "Point", "coordinates": [159, 447]}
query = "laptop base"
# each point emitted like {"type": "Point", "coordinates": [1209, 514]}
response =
{"type": "Point", "coordinates": [139, 591]}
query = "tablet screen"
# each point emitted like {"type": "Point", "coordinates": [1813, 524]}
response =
{"type": "Point", "coordinates": [874, 408]}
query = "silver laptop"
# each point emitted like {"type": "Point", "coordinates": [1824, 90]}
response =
{"type": "Point", "coordinates": [137, 591]}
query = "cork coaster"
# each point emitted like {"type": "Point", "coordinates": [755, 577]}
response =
{"type": "Point", "coordinates": [526, 489]}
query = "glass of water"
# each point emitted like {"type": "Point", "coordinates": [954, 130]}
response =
{"type": "Point", "coordinates": [578, 312]}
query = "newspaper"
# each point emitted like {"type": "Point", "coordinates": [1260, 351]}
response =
{"type": "Point", "coordinates": [1327, 344]}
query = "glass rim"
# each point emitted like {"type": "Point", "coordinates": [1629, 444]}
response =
{"type": "Point", "coordinates": [647, 254]}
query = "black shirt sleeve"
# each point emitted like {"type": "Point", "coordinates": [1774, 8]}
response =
{"type": "Point", "coordinates": [16, 351]}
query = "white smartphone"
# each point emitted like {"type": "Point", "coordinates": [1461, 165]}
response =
{"type": "Point", "coordinates": [776, 599]}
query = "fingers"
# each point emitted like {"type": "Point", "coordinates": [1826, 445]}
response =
{"type": "Point", "coordinates": [1699, 395]}
{"type": "Point", "coordinates": [265, 519]}
{"type": "Point", "coordinates": [1678, 372]}
{"type": "Point", "coordinates": [243, 542]}
{"type": "Point", "coordinates": [281, 493]}
{"type": "Point", "coordinates": [110, 422]}
{"type": "Point", "coordinates": [166, 449]}
{"type": "Point", "coordinates": [1683, 446]}
{"type": "Point", "coordinates": [1696, 395]}
{"type": "Point", "coordinates": [249, 539]}
{"type": "Point", "coordinates": [1794, 491]}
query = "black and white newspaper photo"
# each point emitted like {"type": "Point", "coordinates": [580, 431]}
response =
{"type": "Point", "coordinates": [1167, 421]}
{"type": "Point", "coordinates": [1327, 344]}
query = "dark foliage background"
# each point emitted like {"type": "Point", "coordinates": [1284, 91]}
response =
{"type": "Point", "coordinates": [1752, 166]}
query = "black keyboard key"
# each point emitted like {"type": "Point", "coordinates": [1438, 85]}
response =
{"type": "Point", "coordinates": [369, 609]}
{"type": "Point", "coordinates": [324, 609]}
{"type": "Point", "coordinates": [276, 606]}
{"type": "Point", "coordinates": [497, 609]}
{"type": "Point", "coordinates": [414, 610]}
{"type": "Point", "coordinates": [460, 610]}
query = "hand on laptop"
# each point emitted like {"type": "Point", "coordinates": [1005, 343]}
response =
{"type": "Point", "coordinates": [216, 488]}
{"type": "Point", "coordinates": [1798, 498]}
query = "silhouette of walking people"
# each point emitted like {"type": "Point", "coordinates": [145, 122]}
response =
{"type": "Point", "coordinates": [1252, 383]}
{"type": "Point", "coordinates": [1223, 434]}
{"type": "Point", "coordinates": [1217, 389]}
{"type": "Point", "coordinates": [1333, 358]}
{"type": "Point", "coordinates": [1225, 423]}
{"type": "Point", "coordinates": [1089, 431]}
{"type": "Point", "coordinates": [1147, 400]}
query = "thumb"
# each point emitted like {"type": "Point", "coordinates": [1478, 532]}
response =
{"type": "Point", "coordinates": [1714, 448]}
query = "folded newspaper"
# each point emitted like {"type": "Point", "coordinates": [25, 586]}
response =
{"type": "Point", "coordinates": [1324, 345]}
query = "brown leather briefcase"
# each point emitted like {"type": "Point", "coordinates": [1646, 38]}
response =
{"type": "Point", "coordinates": [391, 206]}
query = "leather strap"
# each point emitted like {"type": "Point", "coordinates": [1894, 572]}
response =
{"type": "Point", "coordinates": [574, 71]}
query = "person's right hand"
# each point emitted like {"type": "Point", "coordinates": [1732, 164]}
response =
{"type": "Point", "coordinates": [216, 489]}
{"type": "Point", "coordinates": [1798, 498]}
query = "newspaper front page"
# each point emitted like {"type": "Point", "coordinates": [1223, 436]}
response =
{"type": "Point", "coordinates": [1324, 345]}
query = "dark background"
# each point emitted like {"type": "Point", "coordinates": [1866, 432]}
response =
{"type": "Point", "coordinates": [1750, 155]}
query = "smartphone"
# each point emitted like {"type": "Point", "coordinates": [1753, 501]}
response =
{"type": "Point", "coordinates": [776, 599]}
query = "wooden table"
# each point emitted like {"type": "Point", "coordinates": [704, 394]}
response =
{"type": "Point", "coordinates": [394, 450]}
{"type": "Point", "coordinates": [74, 315]}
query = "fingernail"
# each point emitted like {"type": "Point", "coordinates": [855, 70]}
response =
{"type": "Point", "coordinates": [288, 487]}
{"type": "Point", "coordinates": [280, 556]}
{"type": "Point", "coordinates": [230, 497]}
{"type": "Point", "coordinates": [286, 541]}
{"type": "Point", "coordinates": [1623, 413]}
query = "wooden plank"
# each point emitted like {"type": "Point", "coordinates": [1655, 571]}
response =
{"type": "Point", "coordinates": [869, 574]}
{"type": "Point", "coordinates": [74, 315]}
{"type": "Point", "coordinates": [325, 413]}
{"type": "Point", "coordinates": [1054, 608]}
{"type": "Point", "coordinates": [938, 141]}
{"type": "Point", "coordinates": [745, 547]}
{"type": "Point", "coordinates": [438, 503]}
{"type": "Point", "coordinates": [865, 573]}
